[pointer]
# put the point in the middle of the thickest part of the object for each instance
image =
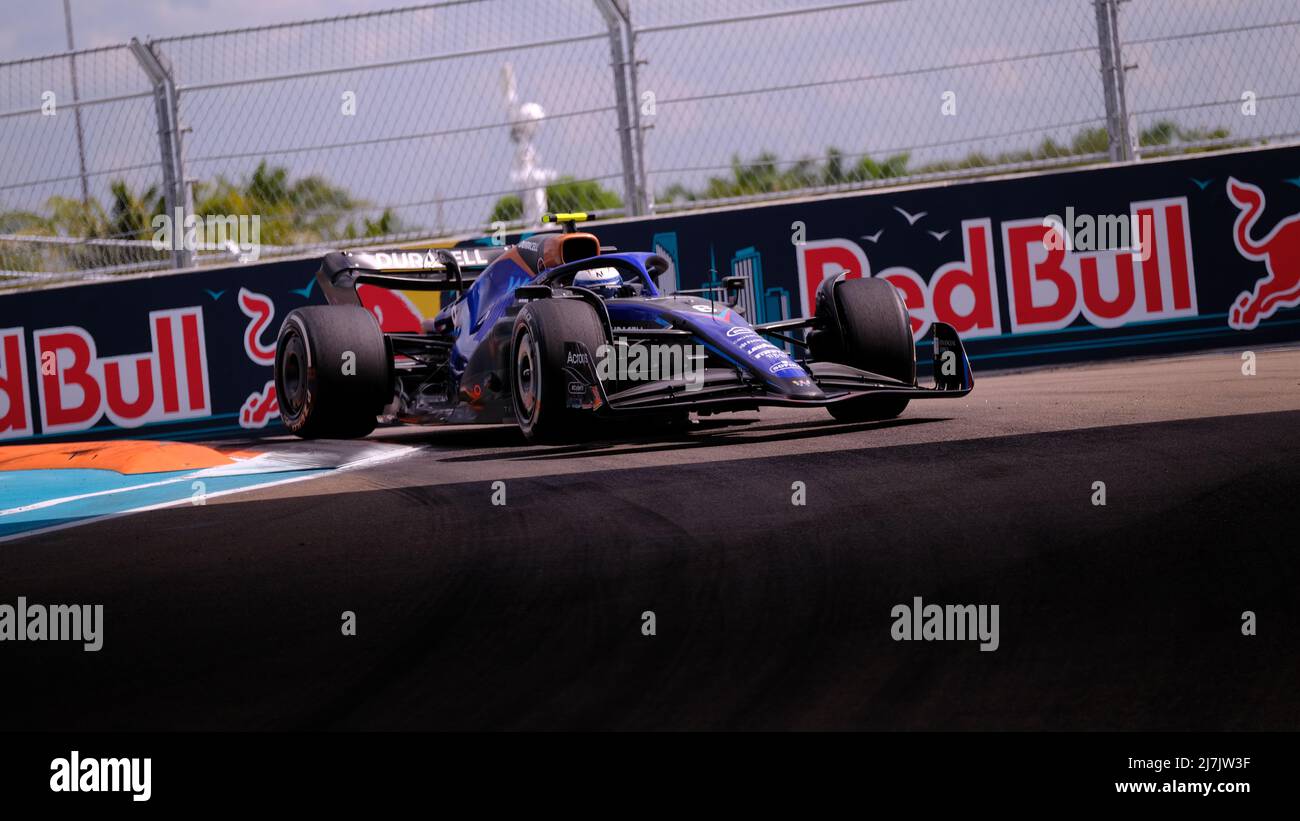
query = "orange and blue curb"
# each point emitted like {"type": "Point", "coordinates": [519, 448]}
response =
{"type": "Point", "coordinates": [46, 487]}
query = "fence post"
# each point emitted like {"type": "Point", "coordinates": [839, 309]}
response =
{"type": "Point", "coordinates": [175, 191]}
{"type": "Point", "coordinates": [76, 114]}
{"type": "Point", "coordinates": [643, 198]}
{"type": "Point", "coordinates": [618, 54]}
{"type": "Point", "coordinates": [1112, 78]}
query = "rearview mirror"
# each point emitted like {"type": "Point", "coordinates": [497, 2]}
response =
{"type": "Point", "coordinates": [732, 287]}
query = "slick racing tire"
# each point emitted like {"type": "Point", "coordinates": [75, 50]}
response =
{"type": "Point", "coordinates": [864, 324]}
{"type": "Point", "coordinates": [539, 386]}
{"type": "Point", "coordinates": [332, 372]}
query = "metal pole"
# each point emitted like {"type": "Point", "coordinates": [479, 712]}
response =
{"type": "Point", "coordinates": [613, 21]}
{"type": "Point", "coordinates": [1121, 72]}
{"type": "Point", "coordinates": [169, 142]}
{"type": "Point", "coordinates": [1112, 82]}
{"type": "Point", "coordinates": [76, 111]}
{"type": "Point", "coordinates": [633, 68]}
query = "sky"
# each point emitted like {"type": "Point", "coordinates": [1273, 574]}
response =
{"type": "Point", "coordinates": [428, 138]}
{"type": "Point", "coordinates": [33, 28]}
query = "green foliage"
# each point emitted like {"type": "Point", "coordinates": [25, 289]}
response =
{"type": "Point", "coordinates": [1167, 132]}
{"type": "Point", "coordinates": [131, 215]}
{"type": "Point", "coordinates": [565, 194]}
{"type": "Point", "coordinates": [309, 210]}
{"type": "Point", "coordinates": [1090, 141]}
{"type": "Point", "coordinates": [291, 211]}
{"type": "Point", "coordinates": [386, 224]}
{"type": "Point", "coordinates": [764, 175]}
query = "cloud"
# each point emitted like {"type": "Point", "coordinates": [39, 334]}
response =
{"type": "Point", "coordinates": [40, 31]}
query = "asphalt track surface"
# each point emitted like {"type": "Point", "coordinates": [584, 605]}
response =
{"type": "Point", "coordinates": [768, 615]}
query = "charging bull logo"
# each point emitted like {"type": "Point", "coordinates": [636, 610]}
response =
{"type": "Point", "coordinates": [1279, 250]}
{"type": "Point", "coordinates": [393, 310]}
{"type": "Point", "coordinates": [261, 406]}
{"type": "Point", "coordinates": [260, 310]}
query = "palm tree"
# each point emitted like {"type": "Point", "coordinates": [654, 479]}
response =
{"type": "Point", "coordinates": [290, 212]}
{"type": "Point", "coordinates": [131, 215]}
{"type": "Point", "coordinates": [565, 194]}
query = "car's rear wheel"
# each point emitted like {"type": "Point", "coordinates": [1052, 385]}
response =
{"type": "Point", "coordinates": [332, 372]}
{"type": "Point", "coordinates": [863, 323]}
{"type": "Point", "coordinates": [540, 388]}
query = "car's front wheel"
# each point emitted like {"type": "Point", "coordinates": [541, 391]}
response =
{"type": "Point", "coordinates": [544, 388]}
{"type": "Point", "coordinates": [864, 323]}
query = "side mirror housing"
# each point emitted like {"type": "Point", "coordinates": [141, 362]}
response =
{"type": "Point", "coordinates": [732, 287]}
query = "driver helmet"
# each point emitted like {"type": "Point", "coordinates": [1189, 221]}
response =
{"type": "Point", "coordinates": [606, 282]}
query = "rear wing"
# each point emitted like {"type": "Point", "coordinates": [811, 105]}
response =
{"type": "Point", "coordinates": [423, 269]}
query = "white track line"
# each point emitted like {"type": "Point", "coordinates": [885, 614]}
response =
{"type": "Point", "coordinates": [65, 499]}
{"type": "Point", "coordinates": [250, 468]}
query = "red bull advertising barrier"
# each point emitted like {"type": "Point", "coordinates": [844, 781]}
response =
{"type": "Point", "coordinates": [1148, 258]}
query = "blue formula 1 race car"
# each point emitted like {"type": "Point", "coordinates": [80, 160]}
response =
{"type": "Point", "coordinates": [557, 334]}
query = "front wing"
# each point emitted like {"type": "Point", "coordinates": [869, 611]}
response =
{"type": "Point", "coordinates": [725, 389]}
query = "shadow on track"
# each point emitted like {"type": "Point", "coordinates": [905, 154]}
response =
{"type": "Point", "coordinates": [695, 438]}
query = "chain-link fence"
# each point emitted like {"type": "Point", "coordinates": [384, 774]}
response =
{"type": "Point", "coordinates": [1211, 75]}
{"type": "Point", "coordinates": [79, 171]}
{"type": "Point", "coordinates": [394, 123]}
{"type": "Point", "coordinates": [807, 98]}
{"type": "Point", "coordinates": [464, 116]}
